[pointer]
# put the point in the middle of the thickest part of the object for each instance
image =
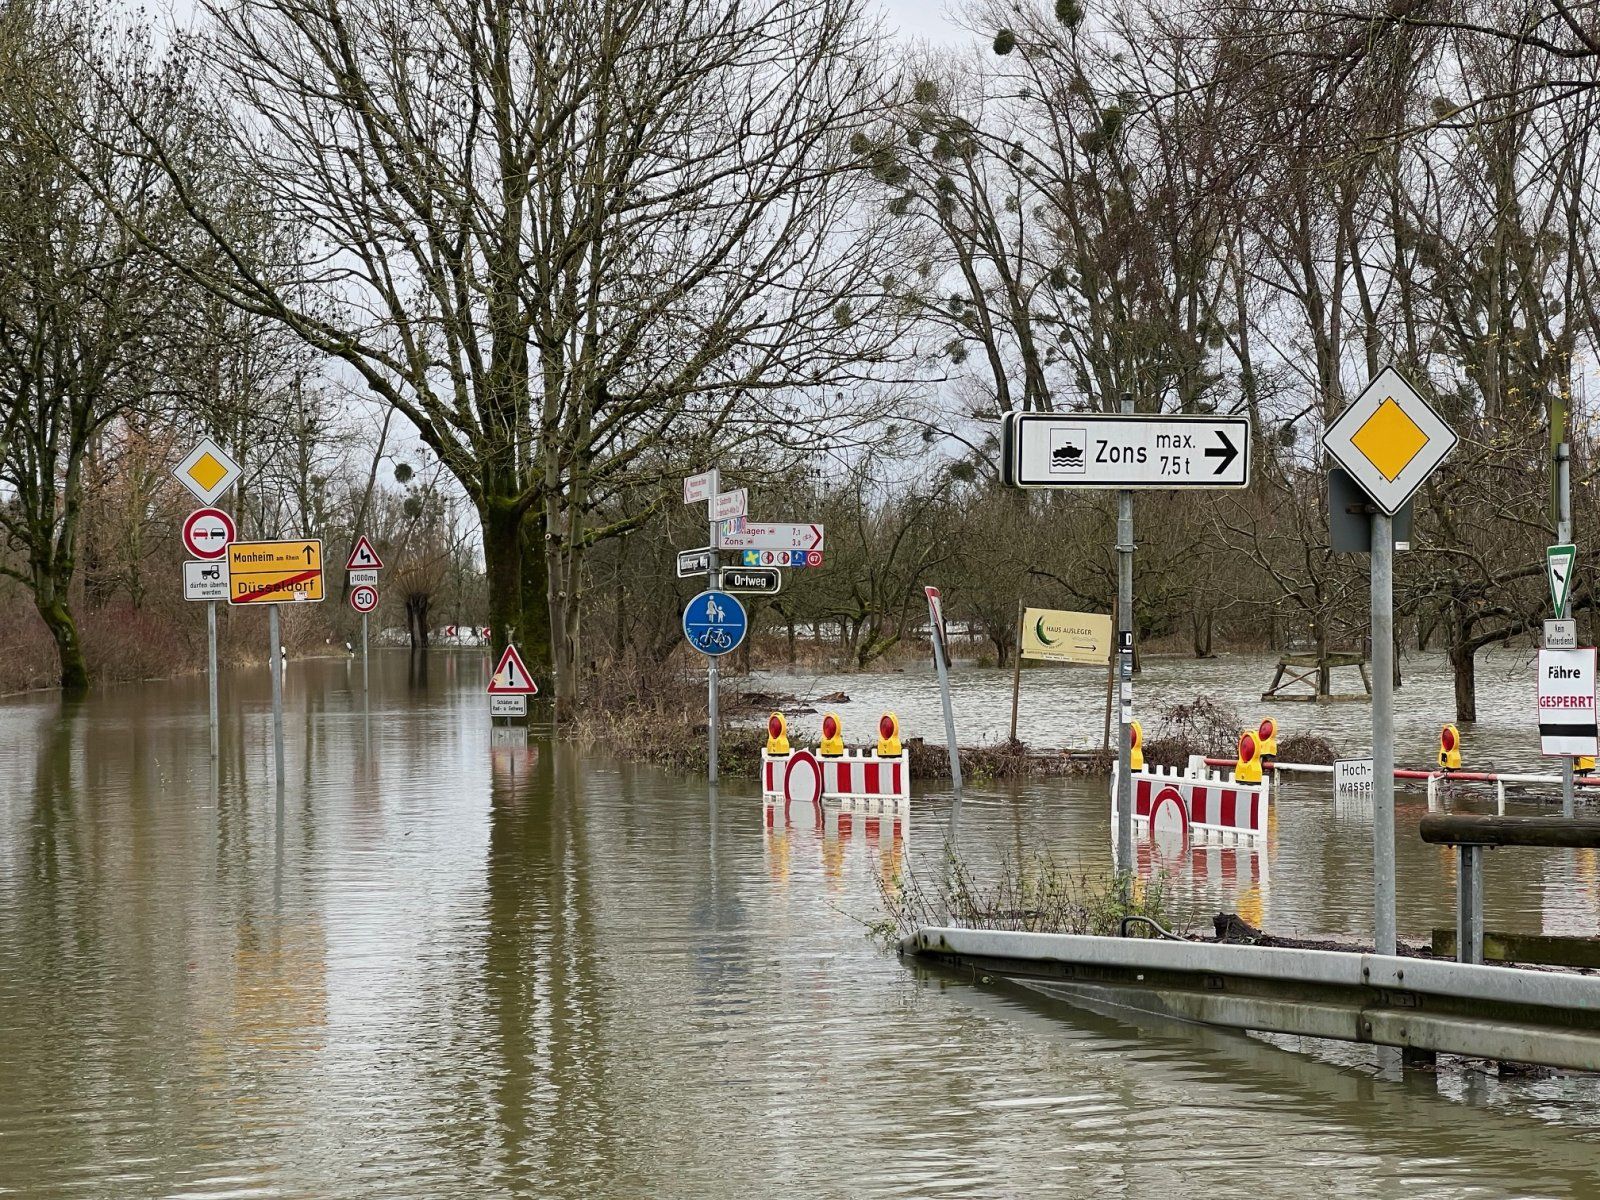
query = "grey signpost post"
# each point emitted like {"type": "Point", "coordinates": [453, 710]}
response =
{"type": "Point", "coordinates": [715, 542]}
{"type": "Point", "coordinates": [211, 669]}
{"type": "Point", "coordinates": [1124, 452]}
{"type": "Point", "coordinates": [275, 665]}
{"type": "Point", "coordinates": [1561, 591]}
{"type": "Point", "coordinates": [1390, 441]}
{"type": "Point", "coordinates": [207, 472]}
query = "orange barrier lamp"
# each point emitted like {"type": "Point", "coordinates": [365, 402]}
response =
{"type": "Point", "coordinates": [1268, 733]}
{"type": "Point", "coordinates": [1450, 748]}
{"type": "Point", "coordinates": [1248, 768]}
{"type": "Point", "coordinates": [888, 736]}
{"type": "Point", "coordinates": [1135, 746]}
{"type": "Point", "coordinates": [777, 734]}
{"type": "Point", "coordinates": [832, 737]}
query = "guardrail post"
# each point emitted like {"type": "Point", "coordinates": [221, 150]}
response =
{"type": "Point", "coordinates": [1469, 904]}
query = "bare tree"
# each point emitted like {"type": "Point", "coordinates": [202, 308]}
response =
{"type": "Point", "coordinates": [554, 234]}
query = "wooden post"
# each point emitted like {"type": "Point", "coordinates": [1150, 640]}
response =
{"type": "Point", "coordinates": [1016, 672]}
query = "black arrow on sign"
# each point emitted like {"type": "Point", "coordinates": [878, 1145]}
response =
{"type": "Point", "coordinates": [1227, 452]}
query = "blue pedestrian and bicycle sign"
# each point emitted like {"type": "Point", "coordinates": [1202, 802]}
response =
{"type": "Point", "coordinates": [715, 622]}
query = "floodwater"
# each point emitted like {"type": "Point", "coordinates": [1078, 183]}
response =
{"type": "Point", "coordinates": [433, 967]}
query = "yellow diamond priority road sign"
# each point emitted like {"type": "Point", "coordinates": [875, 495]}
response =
{"type": "Point", "coordinates": [1390, 440]}
{"type": "Point", "coordinates": [207, 472]}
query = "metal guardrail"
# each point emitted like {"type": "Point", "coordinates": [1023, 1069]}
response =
{"type": "Point", "coordinates": [1542, 1017]}
{"type": "Point", "coordinates": [1471, 834]}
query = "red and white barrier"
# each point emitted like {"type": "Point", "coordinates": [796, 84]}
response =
{"type": "Point", "coordinates": [841, 822]}
{"type": "Point", "coordinates": [857, 777]}
{"type": "Point", "coordinates": [1199, 804]}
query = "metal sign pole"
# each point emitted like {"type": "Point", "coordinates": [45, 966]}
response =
{"type": "Point", "coordinates": [949, 712]}
{"type": "Point", "coordinates": [1124, 780]}
{"type": "Point", "coordinates": [1383, 732]}
{"type": "Point", "coordinates": [211, 668]}
{"type": "Point", "coordinates": [364, 679]}
{"type": "Point", "coordinates": [715, 543]}
{"type": "Point", "coordinates": [276, 665]}
{"type": "Point", "coordinates": [1563, 537]}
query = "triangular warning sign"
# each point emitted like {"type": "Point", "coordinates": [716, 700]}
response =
{"type": "Point", "coordinates": [1560, 560]}
{"type": "Point", "coordinates": [363, 557]}
{"type": "Point", "coordinates": [511, 676]}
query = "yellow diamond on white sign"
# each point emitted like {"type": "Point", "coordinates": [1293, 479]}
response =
{"type": "Point", "coordinates": [207, 471]}
{"type": "Point", "coordinates": [1390, 440]}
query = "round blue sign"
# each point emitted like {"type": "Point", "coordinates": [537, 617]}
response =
{"type": "Point", "coordinates": [715, 622]}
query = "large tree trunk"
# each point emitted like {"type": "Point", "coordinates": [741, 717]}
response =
{"type": "Point", "coordinates": [417, 605]}
{"type": "Point", "coordinates": [1463, 665]}
{"type": "Point", "coordinates": [563, 565]}
{"type": "Point", "coordinates": [1201, 626]}
{"type": "Point", "coordinates": [502, 559]}
{"type": "Point", "coordinates": [69, 647]}
{"type": "Point", "coordinates": [533, 630]}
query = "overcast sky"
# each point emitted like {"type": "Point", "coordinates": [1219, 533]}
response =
{"type": "Point", "coordinates": [924, 20]}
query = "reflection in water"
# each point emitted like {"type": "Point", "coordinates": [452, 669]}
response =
{"type": "Point", "coordinates": [448, 963]}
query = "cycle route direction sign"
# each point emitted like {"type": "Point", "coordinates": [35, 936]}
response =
{"type": "Point", "coordinates": [715, 623]}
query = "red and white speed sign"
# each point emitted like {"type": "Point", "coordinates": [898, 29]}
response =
{"type": "Point", "coordinates": [364, 598]}
{"type": "Point", "coordinates": [207, 532]}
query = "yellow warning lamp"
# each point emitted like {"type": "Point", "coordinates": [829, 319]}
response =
{"type": "Point", "coordinates": [1584, 764]}
{"type": "Point", "coordinates": [1268, 734]}
{"type": "Point", "coordinates": [1248, 768]}
{"type": "Point", "coordinates": [1450, 748]}
{"type": "Point", "coordinates": [777, 734]}
{"type": "Point", "coordinates": [832, 737]}
{"type": "Point", "coordinates": [888, 736]}
{"type": "Point", "coordinates": [1135, 746]}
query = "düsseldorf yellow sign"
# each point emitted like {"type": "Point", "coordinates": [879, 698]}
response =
{"type": "Point", "coordinates": [1070, 637]}
{"type": "Point", "coordinates": [274, 572]}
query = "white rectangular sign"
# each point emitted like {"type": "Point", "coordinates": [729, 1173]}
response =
{"type": "Point", "coordinates": [204, 580]}
{"type": "Point", "coordinates": [728, 505]}
{"type": "Point", "coordinates": [368, 577]}
{"type": "Point", "coordinates": [1567, 703]}
{"type": "Point", "coordinates": [699, 488]}
{"type": "Point", "coordinates": [1561, 635]}
{"type": "Point", "coordinates": [1352, 779]}
{"type": "Point", "coordinates": [694, 562]}
{"type": "Point", "coordinates": [508, 706]}
{"type": "Point", "coordinates": [774, 537]}
{"type": "Point", "coordinates": [1101, 450]}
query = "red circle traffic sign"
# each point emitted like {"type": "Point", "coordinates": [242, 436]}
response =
{"type": "Point", "coordinates": [207, 532]}
{"type": "Point", "coordinates": [364, 598]}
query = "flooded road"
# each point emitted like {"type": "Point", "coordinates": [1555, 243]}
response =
{"type": "Point", "coordinates": [430, 968]}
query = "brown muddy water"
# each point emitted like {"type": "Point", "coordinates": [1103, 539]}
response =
{"type": "Point", "coordinates": [432, 968]}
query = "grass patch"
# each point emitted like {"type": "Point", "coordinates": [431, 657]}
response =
{"type": "Point", "coordinates": [1033, 894]}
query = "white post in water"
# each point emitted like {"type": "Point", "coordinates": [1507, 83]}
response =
{"type": "Point", "coordinates": [1124, 777]}
{"type": "Point", "coordinates": [715, 542]}
{"type": "Point", "coordinates": [276, 666]}
{"type": "Point", "coordinates": [1383, 919]}
{"type": "Point", "coordinates": [942, 665]}
{"type": "Point", "coordinates": [1563, 537]}
{"type": "Point", "coordinates": [211, 669]}
{"type": "Point", "coordinates": [364, 679]}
